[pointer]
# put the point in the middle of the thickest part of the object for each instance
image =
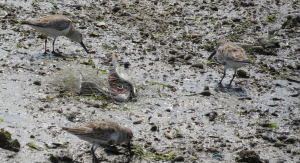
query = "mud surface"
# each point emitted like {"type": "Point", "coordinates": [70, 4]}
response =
{"type": "Point", "coordinates": [181, 112]}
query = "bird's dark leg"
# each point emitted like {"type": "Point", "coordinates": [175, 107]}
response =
{"type": "Point", "coordinates": [45, 46]}
{"type": "Point", "coordinates": [95, 160]}
{"type": "Point", "coordinates": [233, 77]}
{"type": "Point", "coordinates": [130, 153]}
{"type": "Point", "coordinates": [129, 148]}
{"type": "Point", "coordinates": [223, 76]}
{"type": "Point", "coordinates": [53, 45]}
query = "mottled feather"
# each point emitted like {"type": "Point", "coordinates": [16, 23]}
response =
{"type": "Point", "coordinates": [231, 56]}
{"type": "Point", "coordinates": [230, 52]}
{"type": "Point", "coordinates": [58, 22]}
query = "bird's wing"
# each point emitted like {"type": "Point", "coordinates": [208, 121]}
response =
{"type": "Point", "coordinates": [58, 22]}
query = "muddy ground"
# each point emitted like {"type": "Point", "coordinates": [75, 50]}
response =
{"type": "Point", "coordinates": [181, 112]}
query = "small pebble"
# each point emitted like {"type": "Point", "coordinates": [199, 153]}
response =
{"type": "Point", "coordinates": [37, 83]}
{"type": "Point", "coordinates": [179, 159]}
{"type": "Point", "coordinates": [116, 9]}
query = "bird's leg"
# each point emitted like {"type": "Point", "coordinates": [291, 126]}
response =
{"type": "Point", "coordinates": [233, 77]}
{"type": "Point", "coordinates": [95, 160]}
{"type": "Point", "coordinates": [45, 46]}
{"type": "Point", "coordinates": [129, 148]}
{"type": "Point", "coordinates": [223, 76]}
{"type": "Point", "coordinates": [130, 153]}
{"type": "Point", "coordinates": [53, 45]}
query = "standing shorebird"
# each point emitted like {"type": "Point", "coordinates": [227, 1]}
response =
{"type": "Point", "coordinates": [118, 79]}
{"type": "Point", "coordinates": [54, 26]}
{"type": "Point", "coordinates": [231, 56]}
{"type": "Point", "coordinates": [102, 133]}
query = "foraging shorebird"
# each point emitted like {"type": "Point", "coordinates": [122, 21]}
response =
{"type": "Point", "coordinates": [102, 133]}
{"type": "Point", "coordinates": [231, 56]}
{"type": "Point", "coordinates": [118, 79]}
{"type": "Point", "coordinates": [54, 26]}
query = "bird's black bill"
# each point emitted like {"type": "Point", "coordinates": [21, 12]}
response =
{"type": "Point", "coordinates": [82, 44]}
{"type": "Point", "coordinates": [212, 54]}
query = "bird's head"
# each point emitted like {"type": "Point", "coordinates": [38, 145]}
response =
{"type": "Point", "coordinates": [78, 37]}
{"type": "Point", "coordinates": [220, 43]}
{"type": "Point", "coordinates": [114, 59]}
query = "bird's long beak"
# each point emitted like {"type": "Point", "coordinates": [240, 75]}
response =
{"type": "Point", "coordinates": [211, 55]}
{"type": "Point", "coordinates": [82, 44]}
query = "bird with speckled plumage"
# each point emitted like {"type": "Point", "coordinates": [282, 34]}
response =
{"type": "Point", "coordinates": [102, 133]}
{"type": "Point", "coordinates": [54, 26]}
{"type": "Point", "coordinates": [231, 56]}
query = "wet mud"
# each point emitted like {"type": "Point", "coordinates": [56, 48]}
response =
{"type": "Point", "coordinates": [181, 113]}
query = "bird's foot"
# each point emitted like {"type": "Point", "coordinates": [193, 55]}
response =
{"type": "Point", "coordinates": [220, 84]}
{"type": "Point", "coordinates": [57, 53]}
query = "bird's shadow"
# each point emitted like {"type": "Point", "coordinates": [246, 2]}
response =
{"type": "Point", "coordinates": [114, 150]}
{"type": "Point", "coordinates": [50, 55]}
{"type": "Point", "coordinates": [234, 90]}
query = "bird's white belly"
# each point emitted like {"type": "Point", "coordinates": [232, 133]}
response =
{"type": "Point", "coordinates": [51, 31]}
{"type": "Point", "coordinates": [233, 64]}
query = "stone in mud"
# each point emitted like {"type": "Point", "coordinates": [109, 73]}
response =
{"type": "Point", "coordinates": [296, 121]}
{"type": "Point", "coordinates": [187, 57]}
{"type": "Point", "coordinates": [126, 65]}
{"type": "Point", "coordinates": [242, 74]}
{"type": "Point", "coordinates": [293, 79]}
{"type": "Point", "coordinates": [296, 151]}
{"type": "Point", "coordinates": [78, 7]}
{"type": "Point", "coordinates": [278, 144]}
{"type": "Point", "coordinates": [154, 128]}
{"type": "Point", "coordinates": [178, 159]}
{"type": "Point", "coordinates": [206, 88]}
{"type": "Point", "coordinates": [102, 25]}
{"type": "Point", "coordinates": [138, 122]}
{"type": "Point", "coordinates": [173, 51]}
{"type": "Point", "coordinates": [7, 143]}
{"type": "Point", "coordinates": [212, 115]}
{"type": "Point", "coordinates": [116, 9]}
{"type": "Point", "coordinates": [247, 3]}
{"type": "Point", "coordinates": [292, 21]}
{"type": "Point", "coordinates": [282, 137]}
{"type": "Point", "coordinates": [270, 139]}
{"type": "Point", "coordinates": [63, 156]}
{"type": "Point", "coordinates": [168, 135]}
{"type": "Point", "coordinates": [248, 157]}
{"type": "Point", "coordinates": [94, 34]}
{"type": "Point", "coordinates": [3, 14]}
{"type": "Point", "coordinates": [291, 66]}
{"type": "Point", "coordinates": [212, 150]}
{"type": "Point", "coordinates": [214, 8]}
{"type": "Point", "coordinates": [96, 105]}
{"type": "Point", "coordinates": [37, 83]}
{"type": "Point", "coordinates": [198, 65]}
{"type": "Point", "coordinates": [291, 140]}
{"type": "Point", "coordinates": [205, 93]}
{"type": "Point", "coordinates": [272, 69]}
{"type": "Point", "coordinates": [171, 59]}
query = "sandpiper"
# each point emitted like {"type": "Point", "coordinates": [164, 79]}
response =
{"type": "Point", "coordinates": [231, 56]}
{"type": "Point", "coordinates": [102, 133]}
{"type": "Point", "coordinates": [54, 26]}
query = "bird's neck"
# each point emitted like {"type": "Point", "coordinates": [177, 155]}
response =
{"type": "Point", "coordinates": [72, 33]}
{"type": "Point", "coordinates": [114, 62]}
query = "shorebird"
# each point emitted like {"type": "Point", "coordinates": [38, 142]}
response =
{"type": "Point", "coordinates": [231, 56]}
{"type": "Point", "coordinates": [102, 133]}
{"type": "Point", "coordinates": [118, 79]}
{"type": "Point", "coordinates": [54, 26]}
